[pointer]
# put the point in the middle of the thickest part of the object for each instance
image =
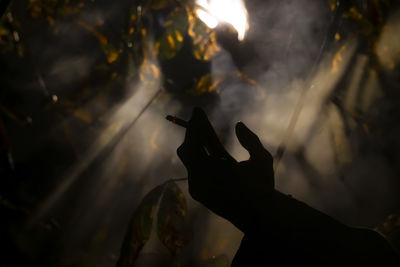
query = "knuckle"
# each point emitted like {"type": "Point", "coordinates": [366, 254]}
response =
{"type": "Point", "coordinates": [267, 155]}
{"type": "Point", "coordinates": [180, 151]}
{"type": "Point", "coordinates": [193, 192]}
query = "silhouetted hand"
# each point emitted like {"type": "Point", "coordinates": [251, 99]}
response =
{"type": "Point", "coordinates": [279, 230]}
{"type": "Point", "coordinates": [216, 179]}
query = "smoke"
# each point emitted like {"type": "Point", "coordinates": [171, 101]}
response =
{"type": "Point", "coordinates": [130, 148]}
{"type": "Point", "coordinates": [291, 107]}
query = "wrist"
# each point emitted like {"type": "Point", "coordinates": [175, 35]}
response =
{"type": "Point", "coordinates": [280, 214]}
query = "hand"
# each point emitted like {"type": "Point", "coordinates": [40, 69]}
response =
{"type": "Point", "coordinates": [225, 186]}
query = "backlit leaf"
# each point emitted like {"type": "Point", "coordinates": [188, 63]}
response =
{"type": "Point", "coordinates": [171, 218]}
{"type": "Point", "coordinates": [207, 84]}
{"type": "Point", "coordinates": [112, 54]}
{"type": "Point", "coordinates": [100, 37]}
{"type": "Point", "coordinates": [204, 39]}
{"type": "Point", "coordinates": [109, 50]}
{"type": "Point", "coordinates": [139, 228]}
{"type": "Point", "coordinates": [171, 40]}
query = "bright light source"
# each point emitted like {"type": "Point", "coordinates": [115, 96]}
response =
{"type": "Point", "coordinates": [209, 20]}
{"type": "Point", "coordinates": [234, 12]}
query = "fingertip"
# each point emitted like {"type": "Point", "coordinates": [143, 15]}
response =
{"type": "Point", "coordinates": [200, 120]}
{"type": "Point", "coordinates": [242, 131]}
{"type": "Point", "coordinates": [248, 139]}
{"type": "Point", "coordinates": [240, 126]}
{"type": "Point", "coordinates": [242, 135]}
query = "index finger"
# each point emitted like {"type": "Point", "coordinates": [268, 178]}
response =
{"type": "Point", "coordinates": [207, 136]}
{"type": "Point", "coordinates": [192, 152]}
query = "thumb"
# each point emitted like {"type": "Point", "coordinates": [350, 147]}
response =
{"type": "Point", "coordinates": [251, 143]}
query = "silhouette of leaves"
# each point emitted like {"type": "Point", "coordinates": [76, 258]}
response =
{"type": "Point", "coordinates": [139, 228]}
{"type": "Point", "coordinates": [171, 218]}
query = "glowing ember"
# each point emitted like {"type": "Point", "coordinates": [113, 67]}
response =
{"type": "Point", "coordinates": [211, 12]}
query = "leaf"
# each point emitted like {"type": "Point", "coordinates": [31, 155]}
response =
{"type": "Point", "coordinates": [204, 39]}
{"type": "Point", "coordinates": [99, 36]}
{"type": "Point", "coordinates": [171, 218]}
{"type": "Point", "coordinates": [139, 228]}
{"type": "Point", "coordinates": [171, 40]}
{"type": "Point", "coordinates": [111, 53]}
{"type": "Point", "coordinates": [207, 84]}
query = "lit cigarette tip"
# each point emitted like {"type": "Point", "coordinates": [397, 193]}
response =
{"type": "Point", "coordinates": [177, 121]}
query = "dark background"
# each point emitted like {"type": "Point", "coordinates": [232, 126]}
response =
{"type": "Point", "coordinates": [83, 136]}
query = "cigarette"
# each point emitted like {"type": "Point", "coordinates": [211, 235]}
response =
{"type": "Point", "coordinates": [177, 121]}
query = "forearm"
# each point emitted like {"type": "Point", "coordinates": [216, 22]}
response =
{"type": "Point", "coordinates": [295, 228]}
{"type": "Point", "coordinates": [282, 215]}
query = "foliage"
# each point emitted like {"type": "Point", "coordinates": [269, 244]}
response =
{"type": "Point", "coordinates": [204, 39]}
{"type": "Point", "coordinates": [171, 40]}
{"type": "Point", "coordinates": [125, 51]}
{"type": "Point", "coordinates": [139, 229]}
{"type": "Point", "coordinates": [171, 227]}
{"type": "Point", "coordinates": [171, 218]}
